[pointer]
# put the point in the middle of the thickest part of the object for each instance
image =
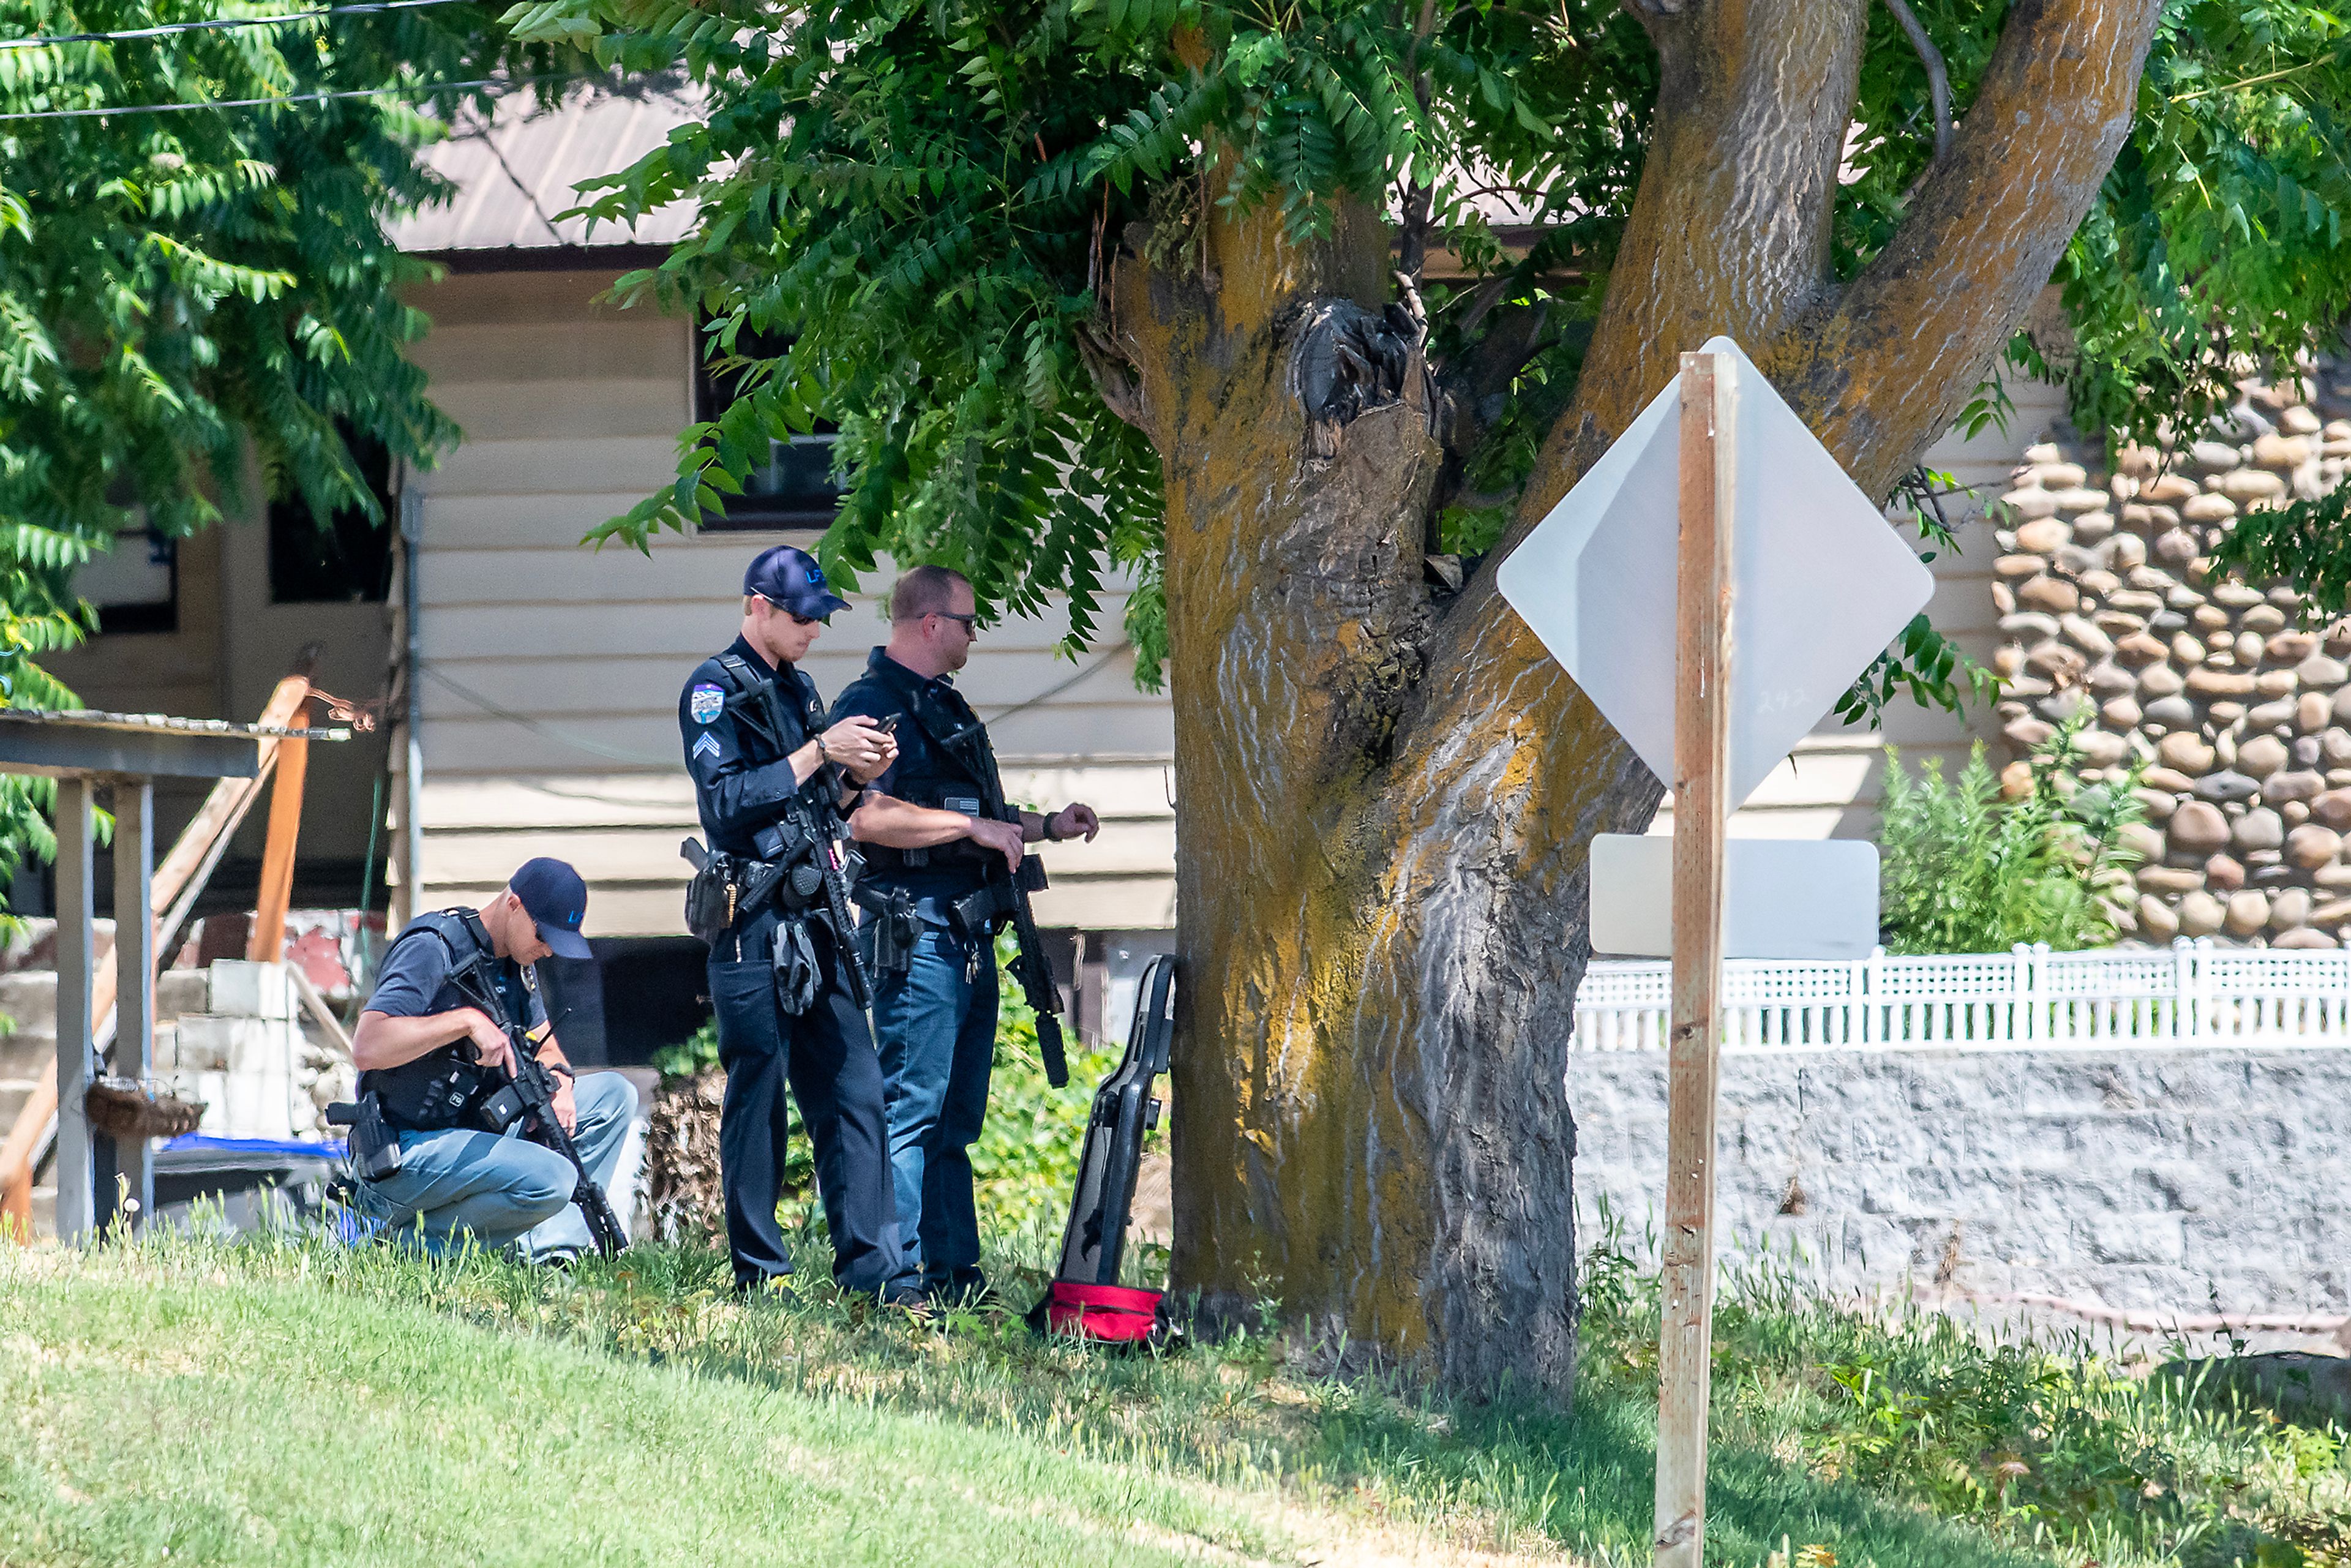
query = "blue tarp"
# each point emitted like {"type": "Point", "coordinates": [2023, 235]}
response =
{"type": "Point", "coordinates": [198, 1143]}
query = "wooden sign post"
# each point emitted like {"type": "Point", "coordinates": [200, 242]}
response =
{"type": "Point", "coordinates": [1710, 392]}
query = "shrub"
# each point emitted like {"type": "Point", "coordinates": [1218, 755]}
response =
{"type": "Point", "coordinates": [1967, 871]}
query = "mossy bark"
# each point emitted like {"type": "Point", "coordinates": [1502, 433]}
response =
{"type": "Point", "coordinates": [1385, 793]}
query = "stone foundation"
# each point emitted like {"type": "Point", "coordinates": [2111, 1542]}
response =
{"type": "Point", "coordinates": [2110, 610]}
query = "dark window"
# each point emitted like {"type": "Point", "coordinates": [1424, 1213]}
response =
{"type": "Point", "coordinates": [342, 559]}
{"type": "Point", "coordinates": [135, 586]}
{"type": "Point", "coordinates": [794, 488]}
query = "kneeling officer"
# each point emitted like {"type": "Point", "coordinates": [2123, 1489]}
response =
{"type": "Point", "coordinates": [769, 780]}
{"type": "Point", "coordinates": [432, 1047]}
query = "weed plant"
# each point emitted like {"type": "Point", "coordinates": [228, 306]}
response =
{"type": "Point", "coordinates": [1967, 871]}
{"type": "Point", "coordinates": [2037, 1437]}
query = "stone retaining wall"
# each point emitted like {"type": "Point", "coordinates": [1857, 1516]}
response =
{"type": "Point", "coordinates": [2168, 1180]}
{"type": "Point", "coordinates": [2110, 610]}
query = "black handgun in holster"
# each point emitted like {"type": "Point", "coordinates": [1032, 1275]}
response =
{"type": "Point", "coordinates": [375, 1147]}
{"type": "Point", "coordinates": [887, 935]}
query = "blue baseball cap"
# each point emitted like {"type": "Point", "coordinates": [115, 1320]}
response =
{"type": "Point", "coordinates": [556, 898]}
{"type": "Point", "coordinates": [792, 578]}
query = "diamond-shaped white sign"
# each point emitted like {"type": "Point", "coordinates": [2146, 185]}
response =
{"type": "Point", "coordinates": [1820, 582]}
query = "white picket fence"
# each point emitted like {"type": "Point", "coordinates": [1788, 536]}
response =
{"type": "Point", "coordinates": [2196, 993]}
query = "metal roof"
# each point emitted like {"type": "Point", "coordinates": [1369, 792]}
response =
{"type": "Point", "coordinates": [85, 742]}
{"type": "Point", "coordinates": [516, 172]}
{"type": "Point", "coordinates": [98, 718]}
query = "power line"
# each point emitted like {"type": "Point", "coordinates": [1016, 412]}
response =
{"type": "Point", "coordinates": [219, 24]}
{"type": "Point", "coordinates": [409, 89]}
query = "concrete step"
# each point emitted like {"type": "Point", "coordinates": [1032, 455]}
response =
{"type": "Point", "coordinates": [29, 997]}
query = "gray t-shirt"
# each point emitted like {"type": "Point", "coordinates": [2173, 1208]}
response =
{"type": "Point", "coordinates": [414, 983]}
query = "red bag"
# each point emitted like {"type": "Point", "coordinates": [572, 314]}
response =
{"type": "Point", "coordinates": [1108, 1314]}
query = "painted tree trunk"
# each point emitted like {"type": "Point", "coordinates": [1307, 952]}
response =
{"type": "Point", "coordinates": [1387, 791]}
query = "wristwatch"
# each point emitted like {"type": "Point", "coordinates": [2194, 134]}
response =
{"type": "Point", "coordinates": [1046, 828]}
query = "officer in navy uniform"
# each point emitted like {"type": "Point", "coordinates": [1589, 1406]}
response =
{"type": "Point", "coordinates": [927, 845]}
{"type": "Point", "coordinates": [755, 740]}
{"type": "Point", "coordinates": [433, 1041]}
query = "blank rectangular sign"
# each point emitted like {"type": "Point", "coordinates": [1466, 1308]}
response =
{"type": "Point", "coordinates": [1782, 898]}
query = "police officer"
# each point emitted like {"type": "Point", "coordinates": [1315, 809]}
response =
{"type": "Point", "coordinates": [431, 1043]}
{"type": "Point", "coordinates": [927, 846]}
{"type": "Point", "coordinates": [765, 767]}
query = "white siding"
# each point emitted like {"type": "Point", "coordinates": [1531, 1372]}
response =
{"type": "Point", "coordinates": [571, 411]}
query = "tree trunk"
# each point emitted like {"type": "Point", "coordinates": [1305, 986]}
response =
{"type": "Point", "coordinates": [1387, 797]}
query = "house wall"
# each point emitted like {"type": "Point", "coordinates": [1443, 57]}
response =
{"type": "Point", "coordinates": [563, 738]}
{"type": "Point", "coordinates": [231, 645]}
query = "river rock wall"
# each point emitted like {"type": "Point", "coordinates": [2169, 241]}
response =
{"type": "Point", "coordinates": [2110, 609]}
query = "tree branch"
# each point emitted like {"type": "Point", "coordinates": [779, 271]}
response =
{"type": "Point", "coordinates": [1881, 372]}
{"type": "Point", "coordinates": [1939, 80]}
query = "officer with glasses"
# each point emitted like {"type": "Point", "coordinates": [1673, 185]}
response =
{"type": "Point", "coordinates": [761, 754]}
{"type": "Point", "coordinates": [933, 844]}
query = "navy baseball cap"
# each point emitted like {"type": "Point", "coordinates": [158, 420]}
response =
{"type": "Point", "coordinates": [556, 898]}
{"type": "Point", "coordinates": [792, 578]}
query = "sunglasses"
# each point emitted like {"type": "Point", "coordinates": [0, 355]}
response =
{"type": "Point", "coordinates": [967, 623]}
{"type": "Point", "coordinates": [797, 618]}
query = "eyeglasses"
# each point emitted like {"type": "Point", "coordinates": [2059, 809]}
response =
{"type": "Point", "coordinates": [969, 622]}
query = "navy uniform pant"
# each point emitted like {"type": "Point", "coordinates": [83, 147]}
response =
{"type": "Point", "coordinates": [826, 1056]}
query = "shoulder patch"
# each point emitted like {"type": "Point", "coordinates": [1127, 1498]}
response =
{"type": "Point", "coordinates": [705, 703]}
{"type": "Point", "coordinates": [705, 743]}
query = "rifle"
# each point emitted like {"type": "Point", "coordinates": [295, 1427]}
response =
{"type": "Point", "coordinates": [530, 1092]}
{"type": "Point", "coordinates": [1010, 892]}
{"type": "Point", "coordinates": [821, 826]}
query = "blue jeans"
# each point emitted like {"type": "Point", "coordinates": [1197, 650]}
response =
{"type": "Point", "coordinates": [936, 1034]}
{"type": "Point", "coordinates": [496, 1188]}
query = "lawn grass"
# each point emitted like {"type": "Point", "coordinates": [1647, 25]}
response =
{"type": "Point", "coordinates": [290, 1402]}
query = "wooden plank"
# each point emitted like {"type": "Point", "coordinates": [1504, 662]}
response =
{"type": "Point", "coordinates": [506, 522]}
{"type": "Point", "coordinates": [465, 299]}
{"type": "Point", "coordinates": [635, 683]}
{"type": "Point", "coordinates": [557, 466]}
{"type": "Point", "coordinates": [486, 744]}
{"type": "Point", "coordinates": [690, 629]}
{"type": "Point", "coordinates": [134, 979]}
{"type": "Point", "coordinates": [77, 1010]}
{"type": "Point", "coordinates": [623, 404]}
{"type": "Point", "coordinates": [266, 942]}
{"type": "Point", "coordinates": [526, 353]}
{"type": "Point", "coordinates": [177, 881]}
{"type": "Point", "coordinates": [1701, 728]}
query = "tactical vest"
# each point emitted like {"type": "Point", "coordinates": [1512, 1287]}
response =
{"type": "Point", "coordinates": [758, 703]}
{"type": "Point", "coordinates": [957, 772]}
{"type": "Point", "coordinates": [442, 1088]}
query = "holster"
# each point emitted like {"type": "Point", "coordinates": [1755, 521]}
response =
{"type": "Point", "coordinates": [978, 914]}
{"type": "Point", "coordinates": [374, 1145]}
{"type": "Point", "coordinates": [710, 896]}
{"type": "Point", "coordinates": [890, 933]}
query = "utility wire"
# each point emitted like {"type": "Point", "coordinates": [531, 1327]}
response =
{"type": "Point", "coordinates": [1049, 692]}
{"type": "Point", "coordinates": [220, 24]}
{"type": "Point", "coordinates": [545, 732]}
{"type": "Point", "coordinates": [406, 89]}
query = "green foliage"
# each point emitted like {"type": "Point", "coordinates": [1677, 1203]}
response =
{"type": "Point", "coordinates": [1878, 1434]}
{"type": "Point", "coordinates": [2305, 543]}
{"type": "Point", "coordinates": [1968, 872]}
{"type": "Point", "coordinates": [179, 289]}
{"type": "Point", "coordinates": [908, 213]}
{"type": "Point", "coordinates": [2039, 1439]}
